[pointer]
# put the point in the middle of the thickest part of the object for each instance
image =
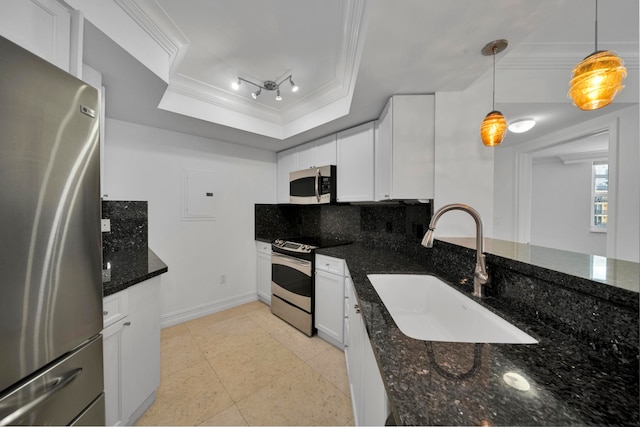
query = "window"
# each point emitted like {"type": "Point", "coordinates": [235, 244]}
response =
{"type": "Point", "coordinates": [599, 196]}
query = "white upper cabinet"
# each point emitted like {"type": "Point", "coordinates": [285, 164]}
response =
{"type": "Point", "coordinates": [287, 162]}
{"type": "Point", "coordinates": [44, 27]}
{"type": "Point", "coordinates": [324, 151]}
{"type": "Point", "coordinates": [355, 179]}
{"type": "Point", "coordinates": [404, 154]}
{"type": "Point", "coordinates": [320, 152]}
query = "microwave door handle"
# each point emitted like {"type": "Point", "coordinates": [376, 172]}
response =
{"type": "Point", "coordinates": [318, 176]}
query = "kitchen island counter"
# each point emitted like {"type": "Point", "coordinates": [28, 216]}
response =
{"type": "Point", "coordinates": [559, 381]}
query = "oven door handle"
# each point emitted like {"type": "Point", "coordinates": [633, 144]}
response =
{"type": "Point", "coordinates": [301, 265]}
{"type": "Point", "coordinates": [318, 177]}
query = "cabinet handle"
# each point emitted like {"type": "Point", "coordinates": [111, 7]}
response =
{"type": "Point", "coordinates": [105, 312]}
{"type": "Point", "coordinates": [127, 323]}
{"type": "Point", "coordinates": [357, 308]}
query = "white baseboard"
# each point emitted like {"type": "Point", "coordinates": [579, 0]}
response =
{"type": "Point", "coordinates": [177, 317]}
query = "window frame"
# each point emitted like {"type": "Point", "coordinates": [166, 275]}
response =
{"type": "Point", "coordinates": [594, 193]}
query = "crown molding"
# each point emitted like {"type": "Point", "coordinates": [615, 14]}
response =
{"type": "Point", "coordinates": [150, 16]}
{"type": "Point", "coordinates": [532, 56]}
{"type": "Point", "coordinates": [328, 102]}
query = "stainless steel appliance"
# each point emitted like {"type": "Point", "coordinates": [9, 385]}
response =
{"type": "Point", "coordinates": [313, 186]}
{"type": "Point", "coordinates": [50, 245]}
{"type": "Point", "coordinates": [292, 279]}
{"type": "Point", "coordinates": [292, 284]}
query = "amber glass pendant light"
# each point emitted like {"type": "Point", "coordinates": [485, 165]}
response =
{"type": "Point", "coordinates": [597, 79]}
{"type": "Point", "coordinates": [494, 125]}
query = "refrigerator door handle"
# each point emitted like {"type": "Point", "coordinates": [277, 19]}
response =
{"type": "Point", "coordinates": [52, 388]}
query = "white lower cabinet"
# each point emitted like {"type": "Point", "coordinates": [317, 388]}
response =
{"type": "Point", "coordinates": [368, 396]}
{"type": "Point", "coordinates": [263, 271]}
{"type": "Point", "coordinates": [329, 299]}
{"type": "Point", "coordinates": [131, 350]}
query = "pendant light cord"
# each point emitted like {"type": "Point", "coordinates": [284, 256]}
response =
{"type": "Point", "coordinates": [596, 25]}
{"type": "Point", "coordinates": [493, 102]}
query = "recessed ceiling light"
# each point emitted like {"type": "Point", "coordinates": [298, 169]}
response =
{"type": "Point", "coordinates": [521, 125]}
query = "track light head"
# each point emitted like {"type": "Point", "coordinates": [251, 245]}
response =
{"type": "Point", "coordinates": [236, 85]}
{"type": "Point", "coordinates": [278, 97]}
{"type": "Point", "coordinates": [294, 87]}
{"type": "Point", "coordinates": [256, 94]}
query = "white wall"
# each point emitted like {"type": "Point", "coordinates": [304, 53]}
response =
{"type": "Point", "coordinates": [464, 166]}
{"type": "Point", "coordinates": [145, 163]}
{"type": "Point", "coordinates": [623, 234]}
{"type": "Point", "coordinates": [560, 208]}
{"type": "Point", "coordinates": [624, 163]}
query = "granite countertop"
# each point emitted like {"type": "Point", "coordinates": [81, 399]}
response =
{"type": "Point", "coordinates": [127, 268]}
{"type": "Point", "coordinates": [610, 271]}
{"type": "Point", "coordinates": [442, 383]}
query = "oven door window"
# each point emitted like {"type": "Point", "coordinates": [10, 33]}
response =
{"type": "Point", "coordinates": [292, 280]}
{"type": "Point", "coordinates": [291, 274]}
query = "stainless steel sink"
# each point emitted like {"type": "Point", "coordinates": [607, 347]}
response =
{"type": "Point", "coordinates": [426, 308]}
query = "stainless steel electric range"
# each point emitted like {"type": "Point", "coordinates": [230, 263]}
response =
{"type": "Point", "coordinates": [292, 279]}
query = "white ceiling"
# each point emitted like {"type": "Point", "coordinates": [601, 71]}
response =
{"type": "Point", "coordinates": [348, 57]}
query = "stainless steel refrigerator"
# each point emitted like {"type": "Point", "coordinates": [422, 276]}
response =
{"type": "Point", "coordinates": [50, 245]}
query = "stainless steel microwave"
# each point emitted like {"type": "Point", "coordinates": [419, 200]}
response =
{"type": "Point", "coordinates": [313, 186]}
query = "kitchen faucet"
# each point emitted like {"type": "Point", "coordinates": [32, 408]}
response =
{"type": "Point", "coordinates": [480, 276]}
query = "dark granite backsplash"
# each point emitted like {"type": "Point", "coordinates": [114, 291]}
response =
{"type": "Point", "coordinates": [384, 225]}
{"type": "Point", "coordinates": [602, 316]}
{"type": "Point", "coordinates": [129, 228]}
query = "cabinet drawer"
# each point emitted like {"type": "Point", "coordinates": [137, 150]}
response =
{"type": "Point", "coordinates": [114, 308]}
{"type": "Point", "coordinates": [330, 265]}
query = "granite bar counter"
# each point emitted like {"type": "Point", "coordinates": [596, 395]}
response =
{"type": "Point", "coordinates": [128, 268]}
{"type": "Point", "coordinates": [562, 380]}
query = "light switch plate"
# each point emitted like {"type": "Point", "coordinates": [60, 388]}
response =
{"type": "Point", "coordinates": [106, 225]}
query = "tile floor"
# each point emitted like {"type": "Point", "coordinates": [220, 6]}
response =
{"type": "Point", "coordinates": [246, 367]}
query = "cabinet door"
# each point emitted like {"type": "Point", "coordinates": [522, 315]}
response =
{"type": "Point", "coordinates": [413, 146]}
{"type": "Point", "coordinates": [263, 272]}
{"type": "Point", "coordinates": [354, 355]}
{"type": "Point", "coordinates": [383, 153]}
{"type": "Point", "coordinates": [142, 345]}
{"type": "Point", "coordinates": [287, 162]}
{"type": "Point", "coordinates": [306, 156]}
{"type": "Point", "coordinates": [355, 159]}
{"type": "Point", "coordinates": [325, 151]}
{"type": "Point", "coordinates": [43, 27]}
{"type": "Point", "coordinates": [374, 396]}
{"type": "Point", "coordinates": [368, 396]}
{"type": "Point", "coordinates": [112, 346]}
{"type": "Point", "coordinates": [329, 309]}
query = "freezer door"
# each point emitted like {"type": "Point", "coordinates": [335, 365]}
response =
{"type": "Point", "coordinates": [64, 392]}
{"type": "Point", "coordinates": [50, 241]}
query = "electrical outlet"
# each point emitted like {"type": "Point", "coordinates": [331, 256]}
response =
{"type": "Point", "coordinates": [223, 279]}
{"type": "Point", "coordinates": [106, 225]}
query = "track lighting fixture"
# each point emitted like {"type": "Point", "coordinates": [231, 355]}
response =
{"type": "Point", "coordinates": [269, 85]}
{"type": "Point", "coordinates": [494, 125]}
{"type": "Point", "coordinates": [598, 78]}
